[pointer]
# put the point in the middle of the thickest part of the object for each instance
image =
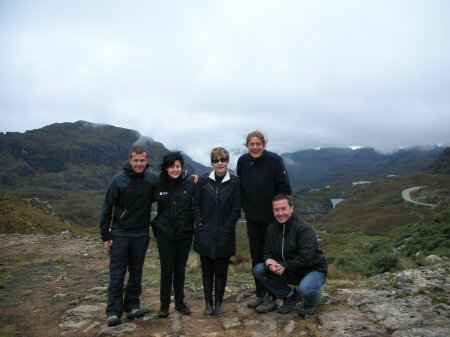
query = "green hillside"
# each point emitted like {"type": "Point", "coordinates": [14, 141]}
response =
{"type": "Point", "coordinates": [30, 216]}
{"type": "Point", "coordinates": [376, 230]}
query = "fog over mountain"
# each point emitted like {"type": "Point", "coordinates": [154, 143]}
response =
{"type": "Point", "coordinates": [195, 75]}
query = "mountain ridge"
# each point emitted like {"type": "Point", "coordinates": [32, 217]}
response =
{"type": "Point", "coordinates": [70, 165]}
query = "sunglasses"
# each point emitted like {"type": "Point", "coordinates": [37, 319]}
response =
{"type": "Point", "coordinates": [222, 160]}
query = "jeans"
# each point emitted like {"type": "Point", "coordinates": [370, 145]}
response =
{"type": "Point", "coordinates": [308, 285]}
{"type": "Point", "coordinates": [127, 253]}
{"type": "Point", "coordinates": [173, 256]}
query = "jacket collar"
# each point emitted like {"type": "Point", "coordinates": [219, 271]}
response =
{"type": "Point", "coordinates": [261, 157]}
{"type": "Point", "coordinates": [129, 170]}
{"type": "Point", "coordinates": [289, 221]}
{"type": "Point", "coordinates": [212, 176]}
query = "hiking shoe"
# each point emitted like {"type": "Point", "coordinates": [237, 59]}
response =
{"type": "Point", "coordinates": [289, 303]}
{"type": "Point", "coordinates": [113, 320]}
{"type": "Point", "coordinates": [134, 313]}
{"type": "Point", "coordinates": [269, 304]}
{"type": "Point", "coordinates": [306, 311]}
{"type": "Point", "coordinates": [255, 302]}
{"type": "Point", "coordinates": [182, 308]}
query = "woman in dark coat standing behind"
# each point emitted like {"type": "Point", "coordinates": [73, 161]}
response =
{"type": "Point", "coordinates": [173, 228]}
{"type": "Point", "coordinates": [217, 207]}
{"type": "Point", "coordinates": [263, 176]}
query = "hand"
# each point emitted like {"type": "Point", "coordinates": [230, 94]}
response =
{"type": "Point", "coordinates": [276, 268]}
{"type": "Point", "coordinates": [195, 178]}
{"type": "Point", "coordinates": [107, 244]}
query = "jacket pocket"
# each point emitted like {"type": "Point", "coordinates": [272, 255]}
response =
{"type": "Point", "coordinates": [202, 239]}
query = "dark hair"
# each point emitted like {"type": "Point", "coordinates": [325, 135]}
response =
{"type": "Point", "coordinates": [168, 160]}
{"type": "Point", "coordinates": [138, 150]}
{"type": "Point", "coordinates": [257, 134]}
{"type": "Point", "coordinates": [281, 196]}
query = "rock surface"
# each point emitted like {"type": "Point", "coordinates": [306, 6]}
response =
{"type": "Point", "coordinates": [56, 286]}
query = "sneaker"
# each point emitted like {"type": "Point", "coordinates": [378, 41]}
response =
{"type": "Point", "coordinates": [269, 304]}
{"type": "Point", "coordinates": [289, 303]}
{"type": "Point", "coordinates": [134, 313]}
{"type": "Point", "coordinates": [255, 302]}
{"type": "Point", "coordinates": [306, 311]}
{"type": "Point", "coordinates": [113, 320]}
{"type": "Point", "coordinates": [182, 308]}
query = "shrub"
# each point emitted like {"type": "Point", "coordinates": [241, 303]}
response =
{"type": "Point", "coordinates": [383, 262]}
{"type": "Point", "coordinates": [365, 264]}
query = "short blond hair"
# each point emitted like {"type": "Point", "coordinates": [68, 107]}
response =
{"type": "Point", "coordinates": [219, 152]}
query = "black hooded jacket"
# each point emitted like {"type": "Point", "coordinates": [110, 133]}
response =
{"type": "Point", "coordinates": [127, 206]}
{"type": "Point", "coordinates": [175, 218]}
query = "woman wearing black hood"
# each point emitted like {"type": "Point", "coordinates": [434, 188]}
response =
{"type": "Point", "coordinates": [173, 228]}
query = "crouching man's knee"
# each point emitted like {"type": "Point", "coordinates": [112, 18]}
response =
{"type": "Point", "coordinates": [260, 270]}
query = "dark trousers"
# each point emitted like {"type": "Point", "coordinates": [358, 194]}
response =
{"type": "Point", "coordinates": [217, 268]}
{"type": "Point", "coordinates": [127, 253]}
{"type": "Point", "coordinates": [173, 256]}
{"type": "Point", "coordinates": [256, 233]}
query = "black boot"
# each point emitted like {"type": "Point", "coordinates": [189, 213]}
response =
{"type": "Point", "coordinates": [220, 285]}
{"type": "Point", "coordinates": [208, 290]}
{"type": "Point", "coordinates": [164, 310]}
{"type": "Point", "coordinates": [181, 307]}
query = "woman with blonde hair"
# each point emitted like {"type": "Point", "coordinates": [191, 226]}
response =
{"type": "Point", "coordinates": [217, 207]}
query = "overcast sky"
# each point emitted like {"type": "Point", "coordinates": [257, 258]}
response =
{"type": "Point", "coordinates": [198, 74]}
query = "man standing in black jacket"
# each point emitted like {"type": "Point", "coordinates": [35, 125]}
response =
{"type": "Point", "coordinates": [291, 257]}
{"type": "Point", "coordinates": [124, 225]}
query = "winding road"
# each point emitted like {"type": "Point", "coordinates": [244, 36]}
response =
{"type": "Point", "coordinates": [406, 194]}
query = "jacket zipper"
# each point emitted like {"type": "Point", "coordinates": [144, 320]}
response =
{"type": "Point", "coordinates": [282, 243]}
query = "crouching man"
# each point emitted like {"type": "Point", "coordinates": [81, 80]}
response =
{"type": "Point", "coordinates": [291, 257]}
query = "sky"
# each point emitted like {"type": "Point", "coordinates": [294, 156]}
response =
{"type": "Point", "coordinates": [198, 74]}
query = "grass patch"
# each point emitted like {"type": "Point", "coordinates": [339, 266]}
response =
{"type": "Point", "coordinates": [392, 199]}
{"type": "Point", "coordinates": [9, 331]}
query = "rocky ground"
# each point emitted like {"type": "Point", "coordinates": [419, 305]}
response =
{"type": "Point", "coordinates": [56, 286]}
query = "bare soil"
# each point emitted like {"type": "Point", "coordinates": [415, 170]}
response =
{"type": "Point", "coordinates": [42, 277]}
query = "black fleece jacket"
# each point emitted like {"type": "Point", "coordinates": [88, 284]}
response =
{"type": "Point", "coordinates": [261, 179]}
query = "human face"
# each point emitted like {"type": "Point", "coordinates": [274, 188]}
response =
{"type": "Point", "coordinates": [282, 211]}
{"type": "Point", "coordinates": [255, 147]}
{"type": "Point", "coordinates": [174, 171]}
{"type": "Point", "coordinates": [138, 162]}
{"type": "Point", "coordinates": [221, 167]}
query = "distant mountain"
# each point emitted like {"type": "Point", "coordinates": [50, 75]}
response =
{"type": "Point", "coordinates": [70, 165]}
{"type": "Point", "coordinates": [324, 166]}
{"type": "Point", "coordinates": [442, 164]}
